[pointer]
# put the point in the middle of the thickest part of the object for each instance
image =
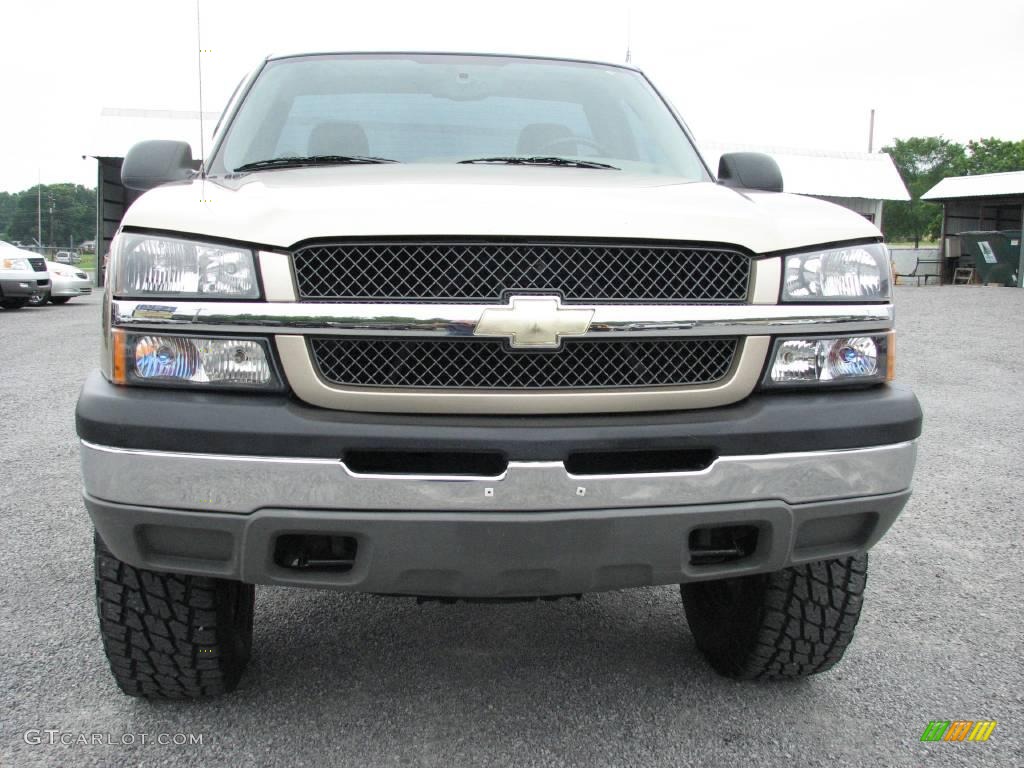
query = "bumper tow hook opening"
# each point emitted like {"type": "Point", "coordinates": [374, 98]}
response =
{"type": "Point", "coordinates": [315, 552]}
{"type": "Point", "coordinates": [722, 544]}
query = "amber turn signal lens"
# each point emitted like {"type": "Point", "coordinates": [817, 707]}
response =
{"type": "Point", "coordinates": [118, 362]}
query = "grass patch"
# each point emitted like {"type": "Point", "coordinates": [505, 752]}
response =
{"type": "Point", "coordinates": [910, 244]}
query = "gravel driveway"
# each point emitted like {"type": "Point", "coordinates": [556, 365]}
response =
{"type": "Point", "coordinates": [614, 679]}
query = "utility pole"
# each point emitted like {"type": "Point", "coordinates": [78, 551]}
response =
{"type": "Point", "coordinates": [50, 195]}
{"type": "Point", "coordinates": [871, 133]}
{"type": "Point", "coordinates": [39, 208]}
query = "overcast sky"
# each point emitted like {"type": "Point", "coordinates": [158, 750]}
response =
{"type": "Point", "coordinates": [785, 73]}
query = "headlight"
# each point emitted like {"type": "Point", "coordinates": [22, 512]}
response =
{"type": "Point", "coordinates": [62, 272]}
{"type": "Point", "coordinates": [191, 361]}
{"type": "Point", "coordinates": [16, 263]}
{"type": "Point", "coordinates": [855, 272]}
{"type": "Point", "coordinates": [148, 265]}
{"type": "Point", "coordinates": [843, 360]}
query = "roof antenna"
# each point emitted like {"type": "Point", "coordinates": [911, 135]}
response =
{"type": "Point", "coordinates": [202, 132]}
{"type": "Point", "coordinates": [629, 34]}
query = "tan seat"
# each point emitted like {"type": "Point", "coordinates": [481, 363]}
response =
{"type": "Point", "coordinates": [547, 139]}
{"type": "Point", "coordinates": [338, 138]}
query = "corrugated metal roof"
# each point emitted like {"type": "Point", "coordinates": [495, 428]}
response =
{"type": "Point", "coordinates": [117, 129]}
{"type": "Point", "coordinates": [982, 185]}
{"type": "Point", "coordinates": [825, 173]}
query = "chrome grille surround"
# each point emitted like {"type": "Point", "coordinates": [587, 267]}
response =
{"type": "Point", "coordinates": [488, 271]}
{"type": "Point", "coordinates": [489, 364]}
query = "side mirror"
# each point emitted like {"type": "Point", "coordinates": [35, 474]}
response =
{"type": "Point", "coordinates": [750, 170]}
{"type": "Point", "coordinates": [151, 163]}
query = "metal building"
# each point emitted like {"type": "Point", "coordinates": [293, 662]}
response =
{"type": "Point", "coordinates": [990, 202]}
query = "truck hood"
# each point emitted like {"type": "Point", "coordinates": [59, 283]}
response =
{"type": "Point", "coordinates": [280, 208]}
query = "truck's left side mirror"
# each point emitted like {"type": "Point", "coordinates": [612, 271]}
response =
{"type": "Point", "coordinates": [151, 163]}
{"type": "Point", "coordinates": [750, 170]}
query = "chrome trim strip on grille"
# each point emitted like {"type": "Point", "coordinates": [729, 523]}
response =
{"type": "Point", "coordinates": [301, 374]}
{"type": "Point", "coordinates": [243, 484]}
{"type": "Point", "coordinates": [438, 320]}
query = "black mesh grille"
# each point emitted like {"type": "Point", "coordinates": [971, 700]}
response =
{"type": "Point", "coordinates": [469, 363]}
{"type": "Point", "coordinates": [38, 265]}
{"type": "Point", "coordinates": [478, 271]}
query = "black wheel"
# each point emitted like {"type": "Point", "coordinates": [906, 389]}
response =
{"type": "Point", "coordinates": [38, 299]}
{"type": "Point", "coordinates": [789, 624]}
{"type": "Point", "coordinates": [60, 299]}
{"type": "Point", "coordinates": [13, 303]}
{"type": "Point", "coordinates": [169, 636]}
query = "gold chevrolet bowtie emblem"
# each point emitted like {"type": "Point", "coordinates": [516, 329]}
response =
{"type": "Point", "coordinates": [534, 321]}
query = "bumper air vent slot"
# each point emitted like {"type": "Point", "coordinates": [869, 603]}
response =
{"type": "Point", "coordinates": [722, 544]}
{"type": "Point", "coordinates": [638, 462]}
{"type": "Point", "coordinates": [316, 552]}
{"type": "Point", "coordinates": [468, 463]}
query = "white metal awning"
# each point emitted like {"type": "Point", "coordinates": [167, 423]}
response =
{"type": "Point", "coordinates": [824, 173]}
{"type": "Point", "coordinates": [116, 130]}
{"type": "Point", "coordinates": [982, 185]}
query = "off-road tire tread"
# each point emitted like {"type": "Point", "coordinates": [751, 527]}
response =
{"type": "Point", "coordinates": [166, 635]}
{"type": "Point", "coordinates": [802, 626]}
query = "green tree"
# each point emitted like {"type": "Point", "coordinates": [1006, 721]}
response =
{"type": "Point", "coordinates": [922, 161]}
{"type": "Point", "coordinates": [73, 217]}
{"type": "Point", "coordinates": [994, 156]}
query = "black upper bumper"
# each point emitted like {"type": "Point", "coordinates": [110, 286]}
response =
{"type": "Point", "coordinates": [279, 425]}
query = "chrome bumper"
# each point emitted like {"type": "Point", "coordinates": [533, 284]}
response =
{"type": "Point", "coordinates": [534, 530]}
{"type": "Point", "coordinates": [244, 484]}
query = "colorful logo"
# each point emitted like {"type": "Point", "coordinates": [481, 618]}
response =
{"type": "Point", "coordinates": [958, 730]}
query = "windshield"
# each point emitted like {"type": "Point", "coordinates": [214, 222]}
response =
{"type": "Point", "coordinates": [448, 109]}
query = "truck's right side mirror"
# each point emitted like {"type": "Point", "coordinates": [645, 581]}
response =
{"type": "Point", "coordinates": [151, 163]}
{"type": "Point", "coordinates": [750, 170]}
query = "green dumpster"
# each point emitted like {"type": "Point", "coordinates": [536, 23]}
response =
{"type": "Point", "coordinates": [995, 255]}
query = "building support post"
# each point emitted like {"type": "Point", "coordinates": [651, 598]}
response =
{"type": "Point", "coordinates": [1020, 260]}
{"type": "Point", "coordinates": [98, 249]}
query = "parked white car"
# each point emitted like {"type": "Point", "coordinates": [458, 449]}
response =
{"type": "Point", "coordinates": [66, 282]}
{"type": "Point", "coordinates": [22, 276]}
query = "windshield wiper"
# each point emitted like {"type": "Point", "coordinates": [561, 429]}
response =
{"type": "Point", "coordinates": [311, 160]}
{"type": "Point", "coordinates": [562, 161]}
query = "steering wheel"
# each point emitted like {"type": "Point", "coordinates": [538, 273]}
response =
{"type": "Point", "coordinates": [550, 146]}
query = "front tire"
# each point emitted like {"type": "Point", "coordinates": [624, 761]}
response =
{"type": "Point", "coordinates": [789, 624]}
{"type": "Point", "coordinates": [60, 299]}
{"type": "Point", "coordinates": [170, 636]}
{"type": "Point", "coordinates": [38, 299]}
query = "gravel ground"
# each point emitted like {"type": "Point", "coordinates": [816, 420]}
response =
{"type": "Point", "coordinates": [612, 680]}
